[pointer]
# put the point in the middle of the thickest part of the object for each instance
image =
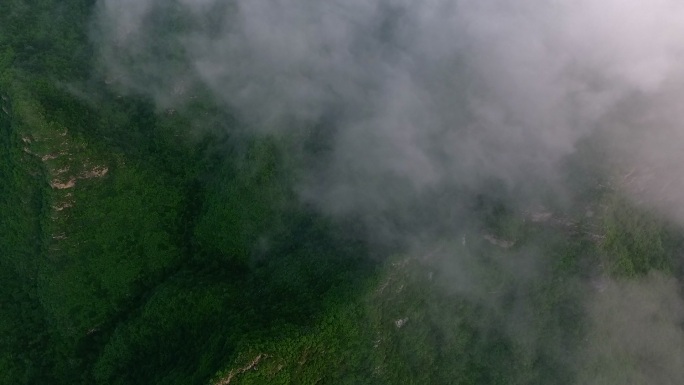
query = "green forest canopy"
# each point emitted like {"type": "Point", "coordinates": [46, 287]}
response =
{"type": "Point", "coordinates": [137, 252]}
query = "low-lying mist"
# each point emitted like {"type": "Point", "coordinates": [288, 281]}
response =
{"type": "Point", "coordinates": [429, 115]}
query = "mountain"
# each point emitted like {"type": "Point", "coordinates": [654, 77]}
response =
{"type": "Point", "coordinates": [273, 192]}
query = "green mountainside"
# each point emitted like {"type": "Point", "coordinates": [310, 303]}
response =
{"type": "Point", "coordinates": [145, 246]}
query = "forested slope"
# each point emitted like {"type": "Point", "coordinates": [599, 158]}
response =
{"type": "Point", "coordinates": [142, 245]}
{"type": "Point", "coordinates": [128, 249]}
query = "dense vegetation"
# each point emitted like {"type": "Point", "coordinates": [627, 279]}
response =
{"type": "Point", "coordinates": [138, 248]}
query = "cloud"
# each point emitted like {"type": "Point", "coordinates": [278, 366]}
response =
{"type": "Point", "coordinates": [421, 103]}
{"type": "Point", "coordinates": [635, 335]}
{"type": "Point", "coordinates": [423, 93]}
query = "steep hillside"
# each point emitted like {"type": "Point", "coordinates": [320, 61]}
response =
{"type": "Point", "coordinates": [173, 242]}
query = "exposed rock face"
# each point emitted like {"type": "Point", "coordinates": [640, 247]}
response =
{"type": "Point", "coordinates": [498, 241]}
{"type": "Point", "coordinates": [226, 380]}
{"type": "Point", "coordinates": [96, 172]}
{"type": "Point", "coordinates": [56, 184]}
